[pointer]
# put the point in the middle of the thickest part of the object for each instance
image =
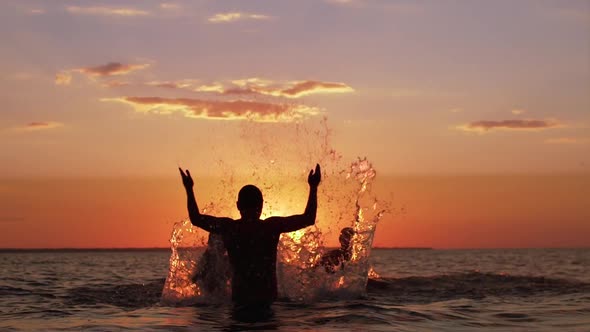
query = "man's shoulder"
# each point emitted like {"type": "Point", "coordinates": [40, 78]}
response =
{"type": "Point", "coordinates": [261, 227]}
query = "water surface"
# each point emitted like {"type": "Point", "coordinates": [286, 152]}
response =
{"type": "Point", "coordinates": [418, 290]}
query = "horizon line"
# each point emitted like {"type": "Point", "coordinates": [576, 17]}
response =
{"type": "Point", "coordinates": [168, 248]}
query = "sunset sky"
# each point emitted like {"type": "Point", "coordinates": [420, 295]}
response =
{"type": "Point", "coordinates": [475, 115]}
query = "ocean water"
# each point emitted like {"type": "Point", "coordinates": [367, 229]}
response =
{"type": "Point", "coordinates": [417, 290]}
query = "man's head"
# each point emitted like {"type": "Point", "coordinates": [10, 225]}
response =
{"type": "Point", "coordinates": [250, 202]}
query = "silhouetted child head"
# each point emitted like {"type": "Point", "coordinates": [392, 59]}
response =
{"type": "Point", "coordinates": [215, 242]}
{"type": "Point", "coordinates": [345, 238]}
{"type": "Point", "coordinates": [250, 202]}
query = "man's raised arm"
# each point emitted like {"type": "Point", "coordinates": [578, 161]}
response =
{"type": "Point", "coordinates": [206, 222]}
{"type": "Point", "coordinates": [293, 223]}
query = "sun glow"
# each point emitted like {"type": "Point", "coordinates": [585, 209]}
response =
{"type": "Point", "coordinates": [284, 211]}
{"type": "Point", "coordinates": [297, 235]}
{"type": "Point", "coordinates": [277, 210]}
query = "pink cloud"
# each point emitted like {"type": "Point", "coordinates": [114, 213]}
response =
{"type": "Point", "coordinates": [107, 11]}
{"type": "Point", "coordinates": [257, 86]}
{"type": "Point", "coordinates": [490, 125]}
{"type": "Point", "coordinates": [101, 71]}
{"type": "Point", "coordinates": [236, 16]}
{"type": "Point", "coordinates": [219, 109]}
{"type": "Point", "coordinates": [287, 90]}
{"type": "Point", "coordinates": [39, 125]}
{"type": "Point", "coordinates": [111, 69]}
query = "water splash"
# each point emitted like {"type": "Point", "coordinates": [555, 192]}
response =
{"type": "Point", "coordinates": [367, 215]}
{"type": "Point", "coordinates": [179, 287]}
{"type": "Point", "coordinates": [300, 273]}
{"type": "Point", "coordinates": [345, 200]}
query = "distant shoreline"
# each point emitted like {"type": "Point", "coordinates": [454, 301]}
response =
{"type": "Point", "coordinates": [32, 250]}
{"type": "Point", "coordinates": [404, 248]}
{"type": "Point", "coordinates": [9, 250]}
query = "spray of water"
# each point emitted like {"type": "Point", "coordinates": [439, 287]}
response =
{"type": "Point", "coordinates": [301, 275]}
{"type": "Point", "coordinates": [279, 167]}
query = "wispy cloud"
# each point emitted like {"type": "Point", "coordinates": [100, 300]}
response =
{"type": "Point", "coordinates": [36, 11]}
{"type": "Point", "coordinates": [107, 11]}
{"type": "Point", "coordinates": [236, 16]}
{"type": "Point", "coordinates": [518, 111]}
{"type": "Point", "coordinates": [243, 82]}
{"type": "Point", "coordinates": [348, 3]}
{"type": "Point", "coordinates": [101, 71]}
{"type": "Point", "coordinates": [295, 89]}
{"type": "Point", "coordinates": [567, 140]}
{"type": "Point", "coordinates": [218, 109]}
{"type": "Point", "coordinates": [39, 125]}
{"type": "Point", "coordinates": [485, 126]}
{"type": "Point", "coordinates": [112, 69]}
{"type": "Point", "coordinates": [115, 84]}
{"type": "Point", "coordinates": [181, 84]}
{"type": "Point", "coordinates": [571, 15]}
{"type": "Point", "coordinates": [63, 78]}
{"type": "Point", "coordinates": [213, 87]}
{"type": "Point", "coordinates": [169, 6]}
{"type": "Point", "coordinates": [259, 86]}
{"type": "Point", "coordinates": [390, 6]}
{"type": "Point", "coordinates": [342, 2]}
{"type": "Point", "coordinates": [304, 88]}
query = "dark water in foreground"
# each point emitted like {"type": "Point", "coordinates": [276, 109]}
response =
{"type": "Point", "coordinates": [419, 290]}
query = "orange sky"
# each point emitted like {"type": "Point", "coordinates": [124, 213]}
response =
{"type": "Point", "coordinates": [475, 115]}
{"type": "Point", "coordinates": [431, 211]}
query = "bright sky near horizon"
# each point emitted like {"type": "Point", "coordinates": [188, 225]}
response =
{"type": "Point", "coordinates": [130, 89]}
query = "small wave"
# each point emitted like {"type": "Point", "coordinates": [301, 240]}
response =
{"type": "Point", "coordinates": [473, 285]}
{"type": "Point", "coordinates": [7, 291]}
{"type": "Point", "coordinates": [44, 313]}
{"type": "Point", "coordinates": [408, 290]}
{"type": "Point", "coordinates": [515, 317]}
{"type": "Point", "coordinates": [352, 319]}
{"type": "Point", "coordinates": [125, 296]}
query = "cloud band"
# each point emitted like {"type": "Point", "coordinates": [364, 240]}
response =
{"type": "Point", "coordinates": [218, 109]}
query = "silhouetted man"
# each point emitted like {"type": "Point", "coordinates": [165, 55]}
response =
{"type": "Point", "coordinates": [251, 243]}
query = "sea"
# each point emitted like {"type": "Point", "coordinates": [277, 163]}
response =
{"type": "Point", "coordinates": [407, 290]}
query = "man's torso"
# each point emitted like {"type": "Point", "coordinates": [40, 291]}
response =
{"type": "Point", "coordinates": [252, 250]}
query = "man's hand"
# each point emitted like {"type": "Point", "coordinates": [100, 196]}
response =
{"type": "Point", "coordinates": [187, 180]}
{"type": "Point", "coordinates": [314, 178]}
